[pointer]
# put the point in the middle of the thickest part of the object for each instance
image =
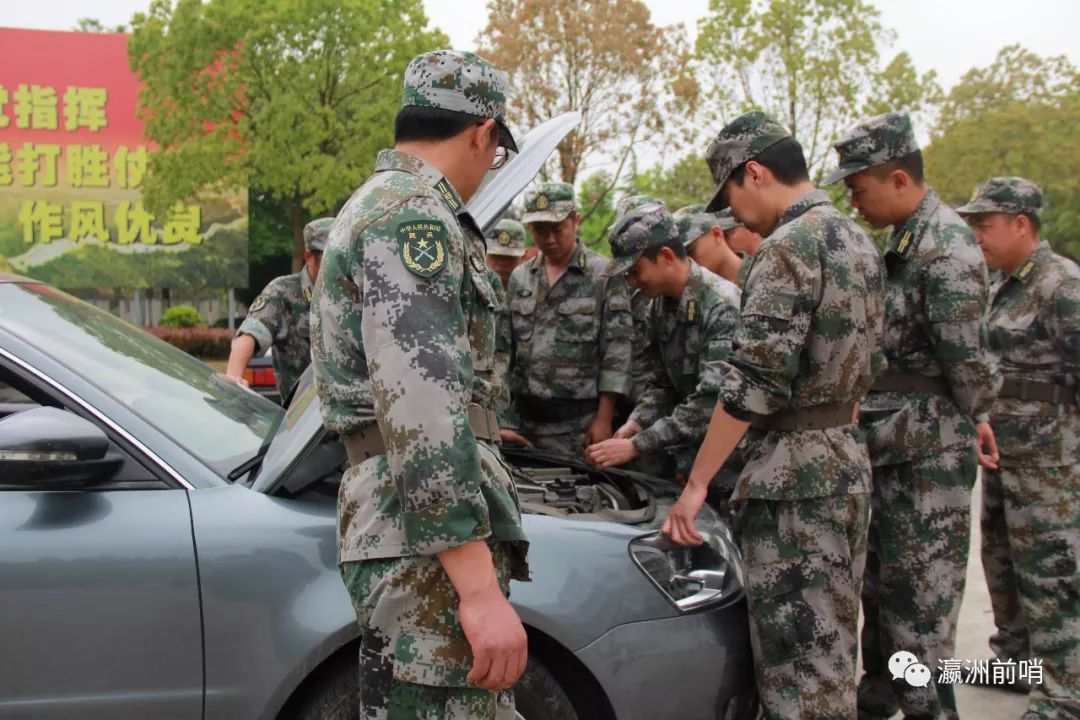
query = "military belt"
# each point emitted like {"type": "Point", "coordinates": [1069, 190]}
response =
{"type": "Point", "coordinates": [815, 417]}
{"type": "Point", "coordinates": [910, 383]}
{"type": "Point", "coordinates": [1016, 388]}
{"type": "Point", "coordinates": [368, 441]}
{"type": "Point", "coordinates": [553, 410]}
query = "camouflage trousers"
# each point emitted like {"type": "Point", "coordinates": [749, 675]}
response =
{"type": "Point", "coordinates": [1031, 545]}
{"type": "Point", "coordinates": [916, 565]}
{"type": "Point", "coordinates": [414, 658]}
{"type": "Point", "coordinates": [564, 438]}
{"type": "Point", "coordinates": [804, 562]}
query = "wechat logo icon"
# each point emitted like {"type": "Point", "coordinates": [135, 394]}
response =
{"type": "Point", "coordinates": [905, 666]}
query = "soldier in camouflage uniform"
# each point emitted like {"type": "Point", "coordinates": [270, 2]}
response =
{"type": "Point", "coordinates": [1031, 488]}
{"type": "Point", "coordinates": [403, 334]}
{"type": "Point", "coordinates": [714, 252]}
{"type": "Point", "coordinates": [505, 248]}
{"type": "Point", "coordinates": [278, 318]}
{"type": "Point", "coordinates": [570, 332]}
{"type": "Point", "coordinates": [806, 352]}
{"type": "Point", "coordinates": [919, 417]}
{"type": "Point", "coordinates": [693, 315]}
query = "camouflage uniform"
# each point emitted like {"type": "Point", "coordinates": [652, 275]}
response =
{"type": "Point", "coordinates": [570, 340]}
{"type": "Point", "coordinates": [922, 443]}
{"type": "Point", "coordinates": [809, 343]}
{"type": "Point", "coordinates": [688, 339]}
{"type": "Point", "coordinates": [506, 238]}
{"type": "Point", "coordinates": [278, 317]}
{"type": "Point", "coordinates": [1031, 504]}
{"type": "Point", "coordinates": [403, 331]}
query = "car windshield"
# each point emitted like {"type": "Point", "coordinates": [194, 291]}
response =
{"type": "Point", "coordinates": [220, 423]}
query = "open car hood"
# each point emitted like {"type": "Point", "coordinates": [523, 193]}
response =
{"type": "Point", "coordinates": [302, 425]}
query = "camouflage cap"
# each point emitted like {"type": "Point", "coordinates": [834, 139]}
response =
{"type": "Point", "coordinates": [316, 232]}
{"type": "Point", "coordinates": [727, 220]}
{"type": "Point", "coordinates": [552, 202]}
{"type": "Point", "coordinates": [506, 238]}
{"type": "Point", "coordinates": [741, 140]}
{"type": "Point", "coordinates": [692, 222]}
{"type": "Point", "coordinates": [462, 82]}
{"type": "Point", "coordinates": [629, 202]}
{"type": "Point", "coordinates": [1011, 195]}
{"type": "Point", "coordinates": [634, 232]}
{"type": "Point", "coordinates": [874, 142]}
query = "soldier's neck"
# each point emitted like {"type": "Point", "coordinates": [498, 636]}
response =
{"type": "Point", "coordinates": [909, 202]}
{"type": "Point", "coordinates": [444, 157]}
{"type": "Point", "coordinates": [680, 277]}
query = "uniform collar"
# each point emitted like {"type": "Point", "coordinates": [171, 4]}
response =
{"type": "Point", "coordinates": [689, 307]}
{"type": "Point", "coordinates": [578, 260]}
{"type": "Point", "coordinates": [391, 159]}
{"type": "Point", "coordinates": [1026, 271]}
{"type": "Point", "coordinates": [306, 283]}
{"type": "Point", "coordinates": [904, 240]}
{"type": "Point", "coordinates": [804, 202]}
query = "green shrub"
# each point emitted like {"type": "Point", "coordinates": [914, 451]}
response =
{"type": "Point", "coordinates": [182, 316]}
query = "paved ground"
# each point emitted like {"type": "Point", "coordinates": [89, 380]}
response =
{"type": "Point", "coordinates": [975, 626]}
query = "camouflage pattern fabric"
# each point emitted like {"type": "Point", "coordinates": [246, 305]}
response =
{"type": "Point", "coordinates": [804, 561]}
{"type": "Point", "coordinates": [636, 231]}
{"type": "Point", "coordinates": [551, 202]}
{"type": "Point", "coordinates": [316, 232]}
{"type": "Point", "coordinates": [570, 341]}
{"type": "Point", "coordinates": [629, 202]}
{"type": "Point", "coordinates": [1031, 506]}
{"type": "Point", "coordinates": [415, 660]}
{"type": "Point", "coordinates": [502, 337]}
{"type": "Point", "coordinates": [727, 220]}
{"type": "Point", "coordinates": [874, 142]}
{"type": "Point", "coordinates": [915, 573]}
{"type": "Point", "coordinates": [810, 334]}
{"type": "Point", "coordinates": [1033, 513]}
{"type": "Point", "coordinates": [934, 327]}
{"type": "Point", "coordinates": [506, 238]}
{"type": "Point", "coordinates": [461, 82]}
{"type": "Point", "coordinates": [689, 338]}
{"type": "Point", "coordinates": [278, 318]}
{"type": "Point", "coordinates": [738, 142]}
{"type": "Point", "coordinates": [403, 333]}
{"type": "Point", "coordinates": [693, 222]}
{"type": "Point", "coordinates": [1011, 195]}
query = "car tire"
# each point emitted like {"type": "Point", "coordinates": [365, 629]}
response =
{"type": "Point", "coordinates": [333, 695]}
{"type": "Point", "coordinates": [538, 695]}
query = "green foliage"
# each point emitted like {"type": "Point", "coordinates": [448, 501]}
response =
{"type": "Point", "coordinates": [811, 65]}
{"type": "Point", "coordinates": [293, 97]}
{"type": "Point", "coordinates": [687, 182]}
{"type": "Point", "coordinates": [182, 316]}
{"type": "Point", "coordinates": [1016, 117]}
{"type": "Point", "coordinates": [93, 25]}
{"type": "Point", "coordinates": [597, 208]}
{"type": "Point", "coordinates": [203, 343]}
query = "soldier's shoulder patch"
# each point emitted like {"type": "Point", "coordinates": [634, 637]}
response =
{"type": "Point", "coordinates": [423, 246]}
{"type": "Point", "coordinates": [259, 303]}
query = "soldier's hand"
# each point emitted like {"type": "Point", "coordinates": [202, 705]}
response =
{"type": "Point", "coordinates": [234, 380]}
{"type": "Point", "coordinates": [599, 430]}
{"type": "Point", "coordinates": [508, 436]}
{"type": "Point", "coordinates": [986, 446]}
{"type": "Point", "coordinates": [611, 453]}
{"type": "Point", "coordinates": [497, 638]}
{"type": "Point", "coordinates": [680, 525]}
{"type": "Point", "coordinates": [629, 429]}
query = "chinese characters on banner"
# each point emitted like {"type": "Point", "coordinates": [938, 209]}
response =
{"type": "Point", "coordinates": [72, 163]}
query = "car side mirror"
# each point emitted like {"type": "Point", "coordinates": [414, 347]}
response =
{"type": "Point", "coordinates": [50, 449]}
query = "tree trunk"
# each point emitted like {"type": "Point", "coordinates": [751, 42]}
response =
{"type": "Point", "coordinates": [296, 220]}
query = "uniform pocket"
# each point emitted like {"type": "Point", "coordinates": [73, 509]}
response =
{"type": "Point", "coordinates": [426, 658]}
{"type": "Point", "coordinates": [522, 317]}
{"type": "Point", "coordinates": [577, 321]}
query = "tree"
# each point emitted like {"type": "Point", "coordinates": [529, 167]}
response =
{"type": "Point", "coordinates": [293, 97]}
{"type": "Point", "coordinates": [811, 64]}
{"type": "Point", "coordinates": [595, 195]}
{"type": "Point", "coordinates": [1016, 117]}
{"type": "Point", "coordinates": [631, 80]}
{"type": "Point", "coordinates": [93, 25]}
{"type": "Point", "coordinates": [687, 182]}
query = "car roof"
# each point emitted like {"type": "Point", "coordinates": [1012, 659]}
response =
{"type": "Point", "coordinates": [6, 277]}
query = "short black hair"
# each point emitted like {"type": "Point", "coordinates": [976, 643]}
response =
{"type": "Point", "coordinates": [912, 164]}
{"type": "Point", "coordinates": [415, 123]}
{"type": "Point", "coordinates": [1036, 223]}
{"type": "Point", "coordinates": [785, 160]}
{"type": "Point", "coordinates": [674, 244]}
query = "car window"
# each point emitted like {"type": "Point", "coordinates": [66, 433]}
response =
{"type": "Point", "coordinates": [218, 422]}
{"type": "Point", "coordinates": [10, 395]}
